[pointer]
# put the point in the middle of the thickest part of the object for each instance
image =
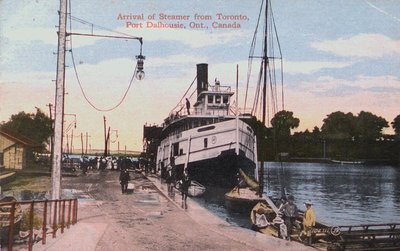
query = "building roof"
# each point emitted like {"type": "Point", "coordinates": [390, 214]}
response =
{"type": "Point", "coordinates": [18, 138]}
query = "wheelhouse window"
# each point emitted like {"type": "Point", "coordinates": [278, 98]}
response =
{"type": "Point", "coordinates": [225, 99]}
{"type": "Point", "coordinates": [210, 99]}
{"type": "Point", "coordinates": [218, 99]}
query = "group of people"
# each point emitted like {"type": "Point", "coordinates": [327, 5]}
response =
{"type": "Point", "coordinates": [103, 163]}
{"type": "Point", "coordinates": [182, 183]}
{"type": "Point", "coordinates": [290, 214]}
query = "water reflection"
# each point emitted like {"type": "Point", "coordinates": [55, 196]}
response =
{"type": "Point", "coordinates": [342, 194]}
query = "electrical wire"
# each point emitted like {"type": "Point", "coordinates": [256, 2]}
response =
{"type": "Point", "coordinates": [76, 71]}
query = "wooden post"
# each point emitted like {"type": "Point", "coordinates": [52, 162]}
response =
{"type": "Point", "coordinates": [76, 211]}
{"type": "Point", "coordinates": [11, 227]}
{"type": "Point", "coordinates": [69, 213]}
{"type": "Point", "coordinates": [54, 204]}
{"type": "Point", "coordinates": [31, 214]}
{"type": "Point", "coordinates": [59, 104]}
{"type": "Point", "coordinates": [44, 223]}
{"type": "Point", "coordinates": [63, 216]}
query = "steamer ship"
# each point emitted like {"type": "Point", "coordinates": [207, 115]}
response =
{"type": "Point", "coordinates": [210, 140]}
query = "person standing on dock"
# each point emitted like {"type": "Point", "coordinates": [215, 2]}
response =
{"type": "Point", "coordinates": [185, 188]}
{"type": "Point", "coordinates": [124, 179]}
{"type": "Point", "coordinates": [309, 221]}
{"type": "Point", "coordinates": [290, 213]}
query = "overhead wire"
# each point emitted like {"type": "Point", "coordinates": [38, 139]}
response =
{"type": "Point", "coordinates": [77, 75]}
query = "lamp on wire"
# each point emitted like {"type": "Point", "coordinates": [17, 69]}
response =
{"type": "Point", "coordinates": [140, 64]}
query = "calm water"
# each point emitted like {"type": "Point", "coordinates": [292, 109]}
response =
{"type": "Point", "coordinates": [342, 194]}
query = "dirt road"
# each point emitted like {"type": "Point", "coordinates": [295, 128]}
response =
{"type": "Point", "coordinates": [144, 220]}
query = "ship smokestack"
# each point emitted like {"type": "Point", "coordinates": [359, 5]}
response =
{"type": "Point", "coordinates": [202, 78]}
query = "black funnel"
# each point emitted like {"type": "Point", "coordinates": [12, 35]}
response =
{"type": "Point", "coordinates": [202, 78]}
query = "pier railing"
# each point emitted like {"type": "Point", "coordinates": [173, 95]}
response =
{"type": "Point", "coordinates": [24, 223]}
{"type": "Point", "coordinates": [370, 237]}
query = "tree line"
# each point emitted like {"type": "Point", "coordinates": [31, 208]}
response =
{"type": "Point", "coordinates": [343, 136]}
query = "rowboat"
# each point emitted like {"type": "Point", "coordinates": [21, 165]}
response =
{"type": "Point", "coordinates": [272, 224]}
{"type": "Point", "coordinates": [196, 189]}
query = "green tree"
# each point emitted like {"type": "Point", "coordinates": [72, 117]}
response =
{"type": "Point", "coordinates": [36, 127]}
{"type": "Point", "coordinates": [283, 122]}
{"type": "Point", "coordinates": [369, 126]}
{"type": "Point", "coordinates": [396, 125]}
{"type": "Point", "coordinates": [339, 126]}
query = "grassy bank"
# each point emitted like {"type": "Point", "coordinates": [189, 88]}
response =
{"type": "Point", "coordinates": [34, 183]}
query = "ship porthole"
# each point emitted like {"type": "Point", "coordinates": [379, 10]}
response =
{"type": "Point", "coordinates": [214, 139]}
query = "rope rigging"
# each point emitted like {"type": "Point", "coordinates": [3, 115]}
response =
{"type": "Point", "coordinates": [75, 68]}
{"type": "Point", "coordinates": [268, 61]}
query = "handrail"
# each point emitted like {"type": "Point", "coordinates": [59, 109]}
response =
{"type": "Point", "coordinates": [51, 212]}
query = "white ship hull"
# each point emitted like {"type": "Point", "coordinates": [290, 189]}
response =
{"type": "Point", "coordinates": [211, 153]}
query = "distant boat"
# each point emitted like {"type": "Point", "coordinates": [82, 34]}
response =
{"type": "Point", "coordinates": [346, 162]}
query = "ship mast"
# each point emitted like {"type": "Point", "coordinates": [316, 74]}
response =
{"type": "Point", "coordinates": [264, 93]}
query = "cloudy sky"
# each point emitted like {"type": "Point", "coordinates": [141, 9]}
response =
{"type": "Point", "coordinates": [339, 55]}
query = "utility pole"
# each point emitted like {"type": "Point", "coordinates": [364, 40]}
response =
{"type": "Point", "coordinates": [86, 143]}
{"type": "Point", "coordinates": [82, 151]}
{"type": "Point", "coordinates": [108, 140]}
{"type": "Point", "coordinates": [105, 137]}
{"type": "Point", "coordinates": [72, 141]}
{"type": "Point", "coordinates": [59, 104]}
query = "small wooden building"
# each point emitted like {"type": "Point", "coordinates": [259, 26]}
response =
{"type": "Point", "coordinates": [15, 150]}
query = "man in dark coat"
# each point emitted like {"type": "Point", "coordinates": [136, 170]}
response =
{"type": "Point", "coordinates": [185, 188]}
{"type": "Point", "coordinates": [290, 214]}
{"type": "Point", "coordinates": [124, 179]}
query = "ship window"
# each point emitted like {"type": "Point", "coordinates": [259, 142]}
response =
{"type": "Point", "coordinates": [181, 151]}
{"type": "Point", "coordinates": [210, 99]}
{"type": "Point", "coordinates": [218, 99]}
{"type": "Point", "coordinates": [225, 99]}
{"type": "Point", "coordinates": [205, 142]}
{"type": "Point", "coordinates": [205, 128]}
{"type": "Point", "coordinates": [175, 149]}
{"type": "Point", "coordinates": [249, 129]}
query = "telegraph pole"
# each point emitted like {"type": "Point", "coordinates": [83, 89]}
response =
{"type": "Point", "coordinates": [82, 151]}
{"type": "Point", "coordinates": [59, 104]}
{"type": "Point", "coordinates": [105, 137]}
{"type": "Point", "coordinates": [86, 143]}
